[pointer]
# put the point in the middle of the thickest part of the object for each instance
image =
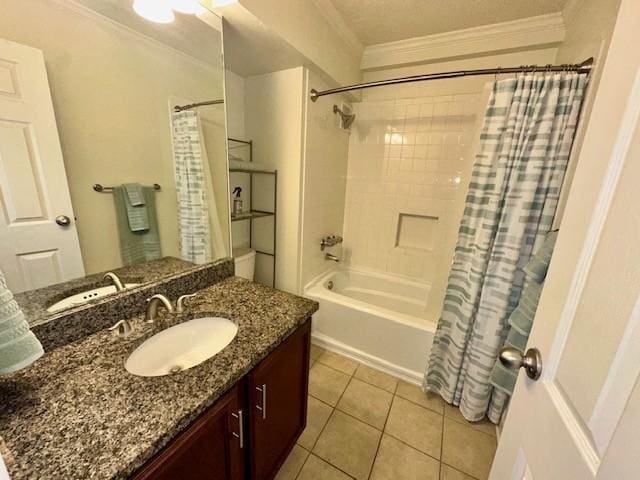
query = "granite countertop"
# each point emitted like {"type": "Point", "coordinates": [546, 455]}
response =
{"type": "Point", "coordinates": [34, 303]}
{"type": "Point", "coordinates": [78, 414]}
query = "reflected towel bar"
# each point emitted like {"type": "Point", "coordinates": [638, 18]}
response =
{"type": "Point", "coordinates": [99, 188]}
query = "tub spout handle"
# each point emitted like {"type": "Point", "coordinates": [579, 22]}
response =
{"type": "Point", "coordinates": [330, 241]}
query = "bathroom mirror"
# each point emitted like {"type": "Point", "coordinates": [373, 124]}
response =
{"type": "Point", "coordinates": [99, 171]}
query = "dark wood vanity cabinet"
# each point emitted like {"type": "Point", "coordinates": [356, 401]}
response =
{"type": "Point", "coordinates": [277, 391]}
{"type": "Point", "coordinates": [249, 432]}
{"type": "Point", "coordinates": [210, 449]}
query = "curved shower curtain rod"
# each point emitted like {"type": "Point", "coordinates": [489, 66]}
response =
{"type": "Point", "coordinates": [583, 67]}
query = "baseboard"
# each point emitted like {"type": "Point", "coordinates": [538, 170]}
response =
{"type": "Point", "coordinates": [333, 345]}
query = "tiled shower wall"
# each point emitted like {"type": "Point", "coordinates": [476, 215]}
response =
{"type": "Point", "coordinates": [408, 171]}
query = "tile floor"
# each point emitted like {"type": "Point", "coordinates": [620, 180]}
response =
{"type": "Point", "coordinates": [364, 424]}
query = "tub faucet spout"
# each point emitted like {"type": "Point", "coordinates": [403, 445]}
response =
{"type": "Point", "coordinates": [330, 256]}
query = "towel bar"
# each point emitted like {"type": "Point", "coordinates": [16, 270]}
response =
{"type": "Point", "coordinates": [99, 188]}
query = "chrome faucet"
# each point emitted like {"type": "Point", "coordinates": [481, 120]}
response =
{"type": "Point", "coordinates": [152, 306]}
{"type": "Point", "coordinates": [115, 280]}
{"type": "Point", "coordinates": [332, 257]}
{"type": "Point", "coordinates": [180, 303]}
{"type": "Point", "coordinates": [123, 328]}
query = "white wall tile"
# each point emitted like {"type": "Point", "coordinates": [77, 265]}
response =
{"type": "Point", "coordinates": [419, 164]}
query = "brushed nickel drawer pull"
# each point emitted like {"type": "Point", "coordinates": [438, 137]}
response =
{"type": "Point", "coordinates": [263, 408]}
{"type": "Point", "coordinates": [240, 434]}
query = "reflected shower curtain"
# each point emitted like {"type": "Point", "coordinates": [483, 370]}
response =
{"type": "Point", "coordinates": [193, 208]}
{"type": "Point", "coordinates": [526, 139]}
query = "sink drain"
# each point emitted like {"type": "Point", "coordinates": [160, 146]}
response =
{"type": "Point", "coordinates": [175, 369]}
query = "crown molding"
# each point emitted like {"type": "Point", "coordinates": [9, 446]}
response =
{"type": "Point", "coordinates": [337, 22]}
{"type": "Point", "coordinates": [507, 36]}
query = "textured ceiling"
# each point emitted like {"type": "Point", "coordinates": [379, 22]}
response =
{"type": "Point", "coordinates": [381, 21]}
{"type": "Point", "coordinates": [187, 33]}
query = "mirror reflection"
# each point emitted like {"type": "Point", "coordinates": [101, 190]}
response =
{"type": "Point", "coordinates": [112, 147]}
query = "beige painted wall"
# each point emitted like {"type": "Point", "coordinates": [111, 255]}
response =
{"type": "Point", "coordinates": [304, 26]}
{"type": "Point", "coordinates": [274, 121]}
{"type": "Point", "coordinates": [325, 178]}
{"type": "Point", "coordinates": [111, 91]}
{"type": "Point", "coordinates": [234, 92]}
{"type": "Point", "coordinates": [589, 27]}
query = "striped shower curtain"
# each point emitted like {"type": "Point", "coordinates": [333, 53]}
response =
{"type": "Point", "coordinates": [193, 208]}
{"type": "Point", "coordinates": [526, 139]}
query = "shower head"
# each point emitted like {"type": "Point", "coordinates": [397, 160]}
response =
{"type": "Point", "coordinates": [347, 118]}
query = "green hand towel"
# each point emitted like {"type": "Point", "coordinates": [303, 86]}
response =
{"type": "Point", "coordinates": [142, 245]}
{"type": "Point", "coordinates": [134, 193]}
{"type": "Point", "coordinates": [19, 347]}
{"type": "Point", "coordinates": [137, 213]}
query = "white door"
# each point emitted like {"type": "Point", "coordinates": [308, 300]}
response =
{"type": "Point", "coordinates": [35, 251]}
{"type": "Point", "coordinates": [581, 419]}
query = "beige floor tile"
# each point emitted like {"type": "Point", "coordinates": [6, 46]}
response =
{"type": "Point", "coordinates": [343, 364]}
{"type": "Point", "coordinates": [450, 473]}
{"type": "Point", "coordinates": [417, 426]}
{"type": "Point", "coordinates": [467, 449]}
{"type": "Point", "coordinates": [485, 425]}
{"type": "Point", "coordinates": [348, 444]}
{"type": "Point", "coordinates": [415, 394]}
{"type": "Point", "coordinates": [396, 460]}
{"type": "Point", "coordinates": [366, 402]}
{"type": "Point", "coordinates": [293, 464]}
{"type": "Point", "coordinates": [316, 352]}
{"type": "Point", "coordinates": [318, 469]}
{"type": "Point", "coordinates": [377, 378]}
{"type": "Point", "coordinates": [312, 362]}
{"type": "Point", "coordinates": [327, 384]}
{"type": "Point", "coordinates": [317, 415]}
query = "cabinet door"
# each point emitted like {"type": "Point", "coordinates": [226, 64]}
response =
{"type": "Point", "coordinates": [210, 449]}
{"type": "Point", "coordinates": [278, 403]}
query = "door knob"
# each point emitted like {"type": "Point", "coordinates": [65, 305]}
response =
{"type": "Point", "coordinates": [514, 359]}
{"type": "Point", "coordinates": [63, 220]}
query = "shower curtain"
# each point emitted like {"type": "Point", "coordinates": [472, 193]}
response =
{"type": "Point", "coordinates": [526, 139]}
{"type": "Point", "coordinates": [193, 208]}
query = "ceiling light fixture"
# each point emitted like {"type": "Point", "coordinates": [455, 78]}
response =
{"type": "Point", "coordinates": [158, 11]}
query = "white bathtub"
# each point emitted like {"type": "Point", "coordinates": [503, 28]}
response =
{"type": "Point", "coordinates": [378, 319]}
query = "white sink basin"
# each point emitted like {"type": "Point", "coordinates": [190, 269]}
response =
{"type": "Point", "coordinates": [182, 346]}
{"type": "Point", "coordinates": [86, 296]}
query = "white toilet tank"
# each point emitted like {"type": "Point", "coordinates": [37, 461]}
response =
{"type": "Point", "coordinates": [245, 262]}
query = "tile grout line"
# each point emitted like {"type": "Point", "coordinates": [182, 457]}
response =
{"type": "Point", "coordinates": [460, 471]}
{"type": "Point", "coordinates": [375, 457]}
{"type": "Point", "coordinates": [421, 406]}
{"type": "Point", "coordinates": [398, 380]}
{"type": "Point", "coordinates": [469, 424]}
{"type": "Point", "coordinates": [411, 446]}
{"type": "Point", "coordinates": [325, 426]}
{"type": "Point", "coordinates": [332, 368]}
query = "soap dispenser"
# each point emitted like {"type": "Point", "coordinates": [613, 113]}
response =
{"type": "Point", "coordinates": [237, 202]}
